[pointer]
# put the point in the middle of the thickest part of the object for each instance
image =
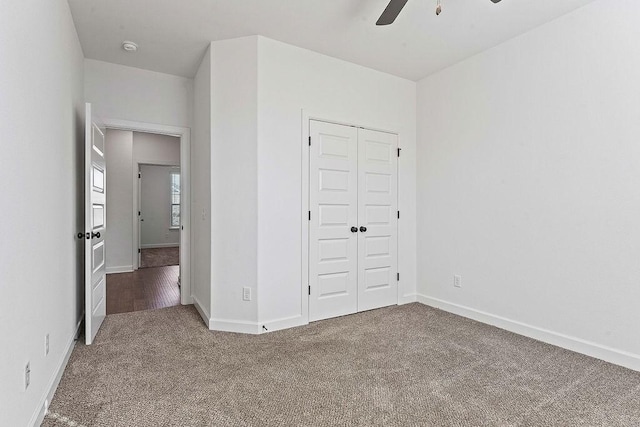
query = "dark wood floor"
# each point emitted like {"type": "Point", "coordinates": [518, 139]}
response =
{"type": "Point", "coordinates": [143, 289]}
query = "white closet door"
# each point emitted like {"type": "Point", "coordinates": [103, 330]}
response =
{"type": "Point", "coordinates": [377, 219]}
{"type": "Point", "coordinates": [333, 203]}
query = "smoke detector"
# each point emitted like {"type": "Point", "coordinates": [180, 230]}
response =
{"type": "Point", "coordinates": [129, 46]}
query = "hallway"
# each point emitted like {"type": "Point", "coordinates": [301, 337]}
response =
{"type": "Point", "coordinates": [144, 289]}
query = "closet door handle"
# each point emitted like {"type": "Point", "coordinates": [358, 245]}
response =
{"type": "Point", "coordinates": [95, 235]}
{"type": "Point", "coordinates": [363, 229]}
{"type": "Point", "coordinates": [354, 229]}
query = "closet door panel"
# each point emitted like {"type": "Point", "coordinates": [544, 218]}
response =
{"type": "Point", "coordinates": [377, 219]}
{"type": "Point", "coordinates": [333, 195]}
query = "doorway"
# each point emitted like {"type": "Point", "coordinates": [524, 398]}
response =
{"type": "Point", "coordinates": [158, 211]}
{"type": "Point", "coordinates": [148, 242]}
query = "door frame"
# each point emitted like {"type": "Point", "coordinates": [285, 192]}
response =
{"type": "Point", "coordinates": [307, 116]}
{"type": "Point", "coordinates": [184, 134]}
{"type": "Point", "coordinates": [137, 196]}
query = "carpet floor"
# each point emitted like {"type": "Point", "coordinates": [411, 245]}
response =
{"type": "Point", "coordinates": [400, 366]}
{"type": "Point", "coordinates": [159, 257]}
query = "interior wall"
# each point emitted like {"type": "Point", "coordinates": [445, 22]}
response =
{"type": "Point", "coordinates": [119, 158]}
{"type": "Point", "coordinates": [155, 205]}
{"type": "Point", "coordinates": [201, 190]}
{"type": "Point", "coordinates": [42, 128]}
{"type": "Point", "coordinates": [234, 210]}
{"type": "Point", "coordinates": [528, 178]}
{"type": "Point", "coordinates": [153, 148]}
{"type": "Point", "coordinates": [127, 93]}
{"type": "Point", "coordinates": [124, 150]}
{"type": "Point", "coordinates": [292, 79]}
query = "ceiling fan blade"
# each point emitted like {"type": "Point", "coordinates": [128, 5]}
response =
{"type": "Point", "coordinates": [392, 11]}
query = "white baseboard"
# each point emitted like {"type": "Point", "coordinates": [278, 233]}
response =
{"type": "Point", "coordinates": [40, 413]}
{"type": "Point", "coordinates": [224, 325]}
{"type": "Point", "coordinates": [202, 312]}
{"type": "Point", "coordinates": [120, 269]}
{"type": "Point", "coordinates": [160, 245]}
{"type": "Point", "coordinates": [284, 323]}
{"type": "Point", "coordinates": [407, 299]}
{"type": "Point", "coordinates": [244, 327]}
{"type": "Point", "coordinates": [608, 354]}
{"type": "Point", "coordinates": [238, 326]}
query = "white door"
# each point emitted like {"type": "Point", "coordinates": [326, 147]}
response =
{"type": "Point", "coordinates": [377, 219]}
{"type": "Point", "coordinates": [333, 204]}
{"type": "Point", "coordinates": [95, 223]}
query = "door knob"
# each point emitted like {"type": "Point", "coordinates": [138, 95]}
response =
{"type": "Point", "coordinates": [82, 235]}
{"type": "Point", "coordinates": [363, 229]}
{"type": "Point", "coordinates": [354, 229]}
{"type": "Point", "coordinates": [95, 235]}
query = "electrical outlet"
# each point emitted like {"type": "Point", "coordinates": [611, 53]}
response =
{"type": "Point", "coordinates": [246, 294]}
{"type": "Point", "coordinates": [46, 344]}
{"type": "Point", "coordinates": [457, 281]}
{"type": "Point", "coordinates": [27, 375]}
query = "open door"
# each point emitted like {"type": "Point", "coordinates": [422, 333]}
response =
{"type": "Point", "coordinates": [95, 223]}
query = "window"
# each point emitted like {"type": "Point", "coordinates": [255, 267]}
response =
{"type": "Point", "coordinates": [175, 200]}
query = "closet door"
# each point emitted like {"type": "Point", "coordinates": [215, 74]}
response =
{"type": "Point", "coordinates": [377, 219]}
{"type": "Point", "coordinates": [333, 236]}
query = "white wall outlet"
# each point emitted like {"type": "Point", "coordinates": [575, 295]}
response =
{"type": "Point", "coordinates": [46, 344]}
{"type": "Point", "coordinates": [27, 375]}
{"type": "Point", "coordinates": [246, 294]}
{"type": "Point", "coordinates": [457, 281]}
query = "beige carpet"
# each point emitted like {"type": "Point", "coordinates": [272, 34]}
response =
{"type": "Point", "coordinates": [400, 366]}
{"type": "Point", "coordinates": [159, 257]}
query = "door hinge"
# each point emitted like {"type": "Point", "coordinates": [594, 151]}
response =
{"type": "Point", "coordinates": [138, 250]}
{"type": "Point", "coordinates": [398, 214]}
{"type": "Point", "coordinates": [309, 141]}
{"type": "Point", "coordinates": [139, 175]}
{"type": "Point", "coordinates": [398, 277]}
{"type": "Point", "coordinates": [309, 215]}
{"type": "Point", "coordinates": [399, 151]}
{"type": "Point", "coordinates": [309, 289]}
{"type": "Point", "coordinates": [138, 213]}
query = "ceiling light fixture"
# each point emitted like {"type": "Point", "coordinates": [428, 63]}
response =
{"type": "Point", "coordinates": [129, 46]}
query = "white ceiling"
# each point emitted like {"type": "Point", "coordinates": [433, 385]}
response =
{"type": "Point", "coordinates": [173, 34]}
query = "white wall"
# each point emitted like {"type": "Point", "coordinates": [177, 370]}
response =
{"type": "Point", "coordinates": [156, 149]}
{"type": "Point", "coordinates": [118, 240]}
{"type": "Point", "coordinates": [234, 200]}
{"type": "Point", "coordinates": [155, 203]}
{"type": "Point", "coordinates": [291, 79]}
{"type": "Point", "coordinates": [258, 90]}
{"type": "Point", "coordinates": [528, 179]}
{"type": "Point", "coordinates": [201, 190]}
{"type": "Point", "coordinates": [127, 93]}
{"type": "Point", "coordinates": [42, 125]}
{"type": "Point", "coordinates": [124, 151]}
